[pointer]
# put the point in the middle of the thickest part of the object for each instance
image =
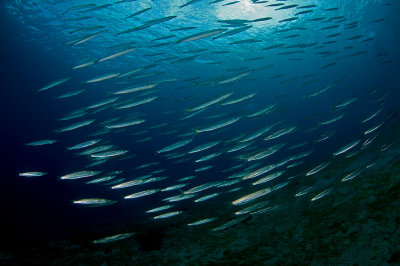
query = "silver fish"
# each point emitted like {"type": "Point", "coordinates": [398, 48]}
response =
{"type": "Point", "coordinates": [80, 174]}
{"type": "Point", "coordinates": [94, 202]}
{"type": "Point", "coordinates": [141, 194]}
{"type": "Point", "coordinates": [32, 174]}
{"type": "Point", "coordinates": [53, 84]}
{"type": "Point", "coordinates": [252, 196]}
{"type": "Point", "coordinates": [167, 215]}
{"type": "Point", "coordinates": [113, 238]}
{"type": "Point", "coordinates": [41, 142]}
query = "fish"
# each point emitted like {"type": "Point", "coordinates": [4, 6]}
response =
{"type": "Point", "coordinates": [174, 187]}
{"type": "Point", "coordinates": [259, 172]}
{"type": "Point", "coordinates": [184, 28]}
{"type": "Point", "coordinates": [80, 174]}
{"type": "Point", "coordinates": [53, 84]}
{"type": "Point", "coordinates": [78, 7]}
{"type": "Point", "coordinates": [332, 120]}
{"type": "Point", "coordinates": [208, 157]}
{"type": "Point", "coordinates": [97, 7]}
{"type": "Point", "coordinates": [231, 79]}
{"type": "Point", "coordinates": [100, 179]}
{"type": "Point", "coordinates": [286, 7]}
{"type": "Point", "coordinates": [129, 73]}
{"type": "Point", "coordinates": [317, 169]}
{"type": "Point", "coordinates": [325, 136]}
{"type": "Point", "coordinates": [179, 197]}
{"type": "Point", "coordinates": [189, 3]}
{"type": "Point", "coordinates": [103, 77]}
{"type": "Point", "coordinates": [32, 174]}
{"type": "Point", "coordinates": [137, 102]}
{"type": "Point", "coordinates": [204, 147]}
{"type": "Point", "coordinates": [210, 102]}
{"type": "Point", "coordinates": [345, 103]}
{"type": "Point", "coordinates": [371, 116]}
{"type": "Point", "coordinates": [202, 221]}
{"type": "Point", "coordinates": [374, 128]}
{"type": "Point", "coordinates": [303, 192]}
{"type": "Point", "coordinates": [231, 223]}
{"type": "Point", "coordinates": [318, 92]}
{"type": "Point", "coordinates": [303, 12]}
{"type": "Point", "coordinates": [161, 208]}
{"type": "Point", "coordinates": [200, 35]}
{"type": "Point", "coordinates": [261, 19]}
{"type": "Point", "coordinates": [142, 194]}
{"type": "Point", "coordinates": [70, 94]}
{"type": "Point", "coordinates": [328, 65]}
{"type": "Point", "coordinates": [347, 147]}
{"type": "Point", "coordinates": [233, 22]}
{"type": "Point", "coordinates": [269, 178]}
{"type": "Point", "coordinates": [147, 24]}
{"type": "Point", "coordinates": [257, 133]}
{"type": "Point", "coordinates": [89, 28]}
{"type": "Point", "coordinates": [288, 19]}
{"type": "Point", "coordinates": [94, 202]}
{"type": "Point", "coordinates": [206, 197]}
{"type": "Point", "coordinates": [278, 45]}
{"type": "Point", "coordinates": [232, 32]}
{"type": "Point", "coordinates": [41, 142]}
{"type": "Point", "coordinates": [251, 197]}
{"type": "Point", "coordinates": [203, 168]}
{"type": "Point", "coordinates": [322, 194]}
{"type": "Point", "coordinates": [75, 126]}
{"type": "Point", "coordinates": [125, 124]}
{"type": "Point", "coordinates": [108, 154]}
{"type": "Point", "coordinates": [102, 103]}
{"type": "Point", "coordinates": [351, 175]}
{"type": "Point", "coordinates": [113, 238]}
{"type": "Point", "coordinates": [84, 64]}
{"type": "Point", "coordinates": [135, 182]}
{"type": "Point", "coordinates": [117, 54]}
{"type": "Point", "coordinates": [96, 149]}
{"type": "Point", "coordinates": [263, 111]}
{"type": "Point", "coordinates": [268, 152]}
{"type": "Point", "coordinates": [136, 89]}
{"type": "Point", "coordinates": [298, 145]}
{"type": "Point", "coordinates": [73, 115]}
{"type": "Point", "coordinates": [167, 215]}
{"type": "Point", "coordinates": [306, 6]}
{"type": "Point", "coordinates": [218, 125]}
{"type": "Point", "coordinates": [279, 186]}
{"type": "Point", "coordinates": [202, 187]}
{"type": "Point", "coordinates": [281, 132]}
{"type": "Point", "coordinates": [139, 12]}
{"type": "Point", "coordinates": [175, 146]}
{"type": "Point", "coordinates": [231, 3]}
{"type": "Point", "coordinates": [87, 38]}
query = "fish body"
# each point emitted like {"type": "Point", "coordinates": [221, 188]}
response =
{"type": "Point", "coordinates": [200, 35]}
{"type": "Point", "coordinates": [53, 84]}
{"type": "Point", "coordinates": [80, 174]}
{"type": "Point", "coordinates": [94, 202]}
{"type": "Point", "coordinates": [32, 174]}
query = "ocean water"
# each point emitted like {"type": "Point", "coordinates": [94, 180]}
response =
{"type": "Point", "coordinates": [293, 84]}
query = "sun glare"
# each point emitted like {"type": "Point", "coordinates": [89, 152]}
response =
{"type": "Point", "coordinates": [246, 9]}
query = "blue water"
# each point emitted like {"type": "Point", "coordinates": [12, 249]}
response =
{"type": "Point", "coordinates": [35, 50]}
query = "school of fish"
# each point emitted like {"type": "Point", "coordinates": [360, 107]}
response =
{"type": "Point", "coordinates": [194, 113]}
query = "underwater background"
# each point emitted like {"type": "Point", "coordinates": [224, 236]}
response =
{"type": "Point", "coordinates": [200, 132]}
